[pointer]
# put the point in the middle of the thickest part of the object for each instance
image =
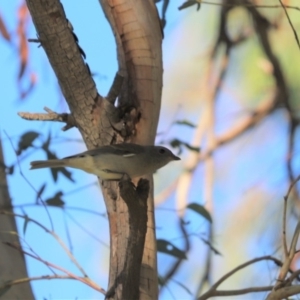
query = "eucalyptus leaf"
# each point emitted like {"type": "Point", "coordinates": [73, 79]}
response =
{"type": "Point", "coordinates": [185, 122]}
{"type": "Point", "coordinates": [190, 3]}
{"type": "Point", "coordinates": [56, 200]}
{"type": "Point", "coordinates": [176, 143]}
{"type": "Point", "coordinates": [56, 171]}
{"type": "Point", "coordinates": [168, 248]}
{"type": "Point", "coordinates": [26, 141]}
{"type": "Point", "coordinates": [26, 221]}
{"type": "Point", "coordinates": [40, 192]}
{"type": "Point", "coordinates": [201, 210]}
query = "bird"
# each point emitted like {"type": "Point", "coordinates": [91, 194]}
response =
{"type": "Point", "coordinates": [112, 162]}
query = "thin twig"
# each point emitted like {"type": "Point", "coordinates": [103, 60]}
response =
{"type": "Point", "coordinates": [73, 259]}
{"type": "Point", "coordinates": [237, 292]}
{"type": "Point", "coordinates": [289, 253]}
{"type": "Point", "coordinates": [291, 24]}
{"type": "Point", "coordinates": [286, 265]}
{"type": "Point", "coordinates": [65, 207]}
{"type": "Point", "coordinates": [85, 280]}
{"type": "Point", "coordinates": [251, 5]}
{"type": "Point", "coordinates": [285, 249]}
{"type": "Point", "coordinates": [286, 253]}
{"type": "Point", "coordinates": [29, 183]}
{"type": "Point", "coordinates": [86, 230]}
{"type": "Point", "coordinates": [28, 279]}
{"type": "Point", "coordinates": [174, 267]}
{"type": "Point", "coordinates": [214, 292]}
{"type": "Point", "coordinates": [294, 241]}
{"type": "Point", "coordinates": [291, 186]}
{"type": "Point", "coordinates": [244, 265]}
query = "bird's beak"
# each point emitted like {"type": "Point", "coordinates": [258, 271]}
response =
{"type": "Point", "coordinates": [176, 157]}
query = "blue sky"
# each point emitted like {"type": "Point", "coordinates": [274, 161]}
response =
{"type": "Point", "coordinates": [246, 170]}
{"type": "Point", "coordinates": [96, 38]}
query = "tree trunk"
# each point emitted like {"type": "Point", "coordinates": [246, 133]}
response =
{"type": "Point", "coordinates": [137, 30]}
{"type": "Point", "coordinates": [138, 35]}
{"type": "Point", "coordinates": [12, 262]}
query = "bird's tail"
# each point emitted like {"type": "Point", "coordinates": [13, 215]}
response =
{"type": "Point", "coordinates": [53, 163]}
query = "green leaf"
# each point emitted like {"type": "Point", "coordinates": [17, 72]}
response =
{"type": "Point", "coordinates": [26, 141]}
{"type": "Point", "coordinates": [47, 143]}
{"type": "Point", "coordinates": [66, 173]}
{"type": "Point", "coordinates": [185, 122]}
{"type": "Point", "coordinates": [26, 221]}
{"type": "Point", "coordinates": [193, 148]}
{"type": "Point", "coordinates": [176, 143]}
{"type": "Point", "coordinates": [40, 192]}
{"type": "Point", "coordinates": [56, 200]}
{"type": "Point", "coordinates": [50, 155]}
{"type": "Point", "coordinates": [168, 248]}
{"type": "Point", "coordinates": [55, 171]}
{"type": "Point", "coordinates": [201, 210]}
{"type": "Point", "coordinates": [190, 3]}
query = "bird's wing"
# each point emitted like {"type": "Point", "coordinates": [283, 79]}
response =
{"type": "Point", "coordinates": [118, 149]}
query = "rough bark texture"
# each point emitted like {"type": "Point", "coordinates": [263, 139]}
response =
{"type": "Point", "coordinates": [129, 278]}
{"type": "Point", "coordinates": [12, 262]}
{"type": "Point", "coordinates": [138, 35]}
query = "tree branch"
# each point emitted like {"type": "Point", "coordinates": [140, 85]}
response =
{"type": "Point", "coordinates": [93, 115]}
{"type": "Point", "coordinates": [284, 293]}
{"type": "Point", "coordinates": [214, 292]}
{"type": "Point", "coordinates": [115, 88]}
{"type": "Point", "coordinates": [50, 116]}
{"type": "Point", "coordinates": [236, 292]}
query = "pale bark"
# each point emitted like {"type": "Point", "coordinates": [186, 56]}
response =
{"type": "Point", "coordinates": [138, 35]}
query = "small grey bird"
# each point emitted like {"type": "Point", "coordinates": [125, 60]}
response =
{"type": "Point", "coordinates": [113, 161]}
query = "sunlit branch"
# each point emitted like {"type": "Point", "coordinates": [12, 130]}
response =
{"type": "Point", "coordinates": [214, 292]}
{"type": "Point", "coordinates": [50, 116]}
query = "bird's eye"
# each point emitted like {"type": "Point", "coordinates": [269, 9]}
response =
{"type": "Point", "coordinates": [161, 151]}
